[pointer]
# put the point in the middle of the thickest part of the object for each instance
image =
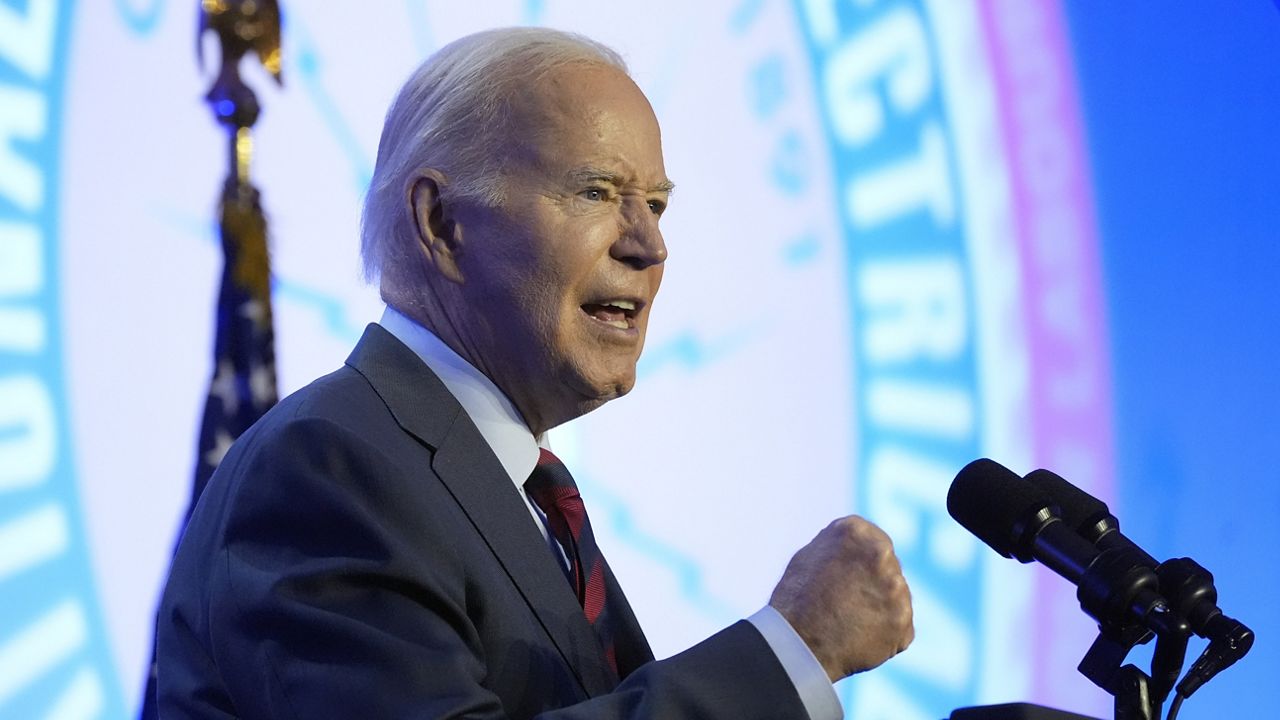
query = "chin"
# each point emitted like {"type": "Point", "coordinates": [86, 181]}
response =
{"type": "Point", "coordinates": [612, 390]}
{"type": "Point", "coordinates": [597, 392]}
{"type": "Point", "coordinates": [621, 383]}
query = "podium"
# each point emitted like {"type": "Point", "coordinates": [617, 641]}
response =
{"type": "Point", "coordinates": [1014, 711]}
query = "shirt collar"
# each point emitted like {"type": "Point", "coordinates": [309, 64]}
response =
{"type": "Point", "coordinates": [492, 412]}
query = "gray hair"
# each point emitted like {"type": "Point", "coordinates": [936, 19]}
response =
{"type": "Point", "coordinates": [452, 115]}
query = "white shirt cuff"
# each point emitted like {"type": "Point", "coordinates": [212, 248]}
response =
{"type": "Point", "coordinates": [806, 673]}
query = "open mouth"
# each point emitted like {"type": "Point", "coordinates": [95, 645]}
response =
{"type": "Point", "coordinates": [619, 313]}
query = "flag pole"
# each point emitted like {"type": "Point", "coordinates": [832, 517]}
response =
{"type": "Point", "coordinates": [244, 375]}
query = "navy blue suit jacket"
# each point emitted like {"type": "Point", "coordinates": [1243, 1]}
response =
{"type": "Point", "coordinates": [361, 553]}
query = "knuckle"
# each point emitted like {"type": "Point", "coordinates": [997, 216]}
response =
{"type": "Point", "coordinates": [900, 579]}
{"type": "Point", "coordinates": [876, 541]}
{"type": "Point", "coordinates": [872, 531]}
{"type": "Point", "coordinates": [899, 584]}
{"type": "Point", "coordinates": [886, 565]}
{"type": "Point", "coordinates": [845, 526]}
{"type": "Point", "coordinates": [844, 533]}
{"type": "Point", "coordinates": [861, 532]}
{"type": "Point", "coordinates": [886, 557]}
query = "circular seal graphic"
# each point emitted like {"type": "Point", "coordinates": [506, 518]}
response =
{"type": "Point", "coordinates": [882, 266]}
{"type": "Point", "coordinates": [974, 286]}
{"type": "Point", "coordinates": [54, 656]}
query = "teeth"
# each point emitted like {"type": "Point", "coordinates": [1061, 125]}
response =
{"type": "Point", "coordinates": [623, 304]}
{"type": "Point", "coordinates": [620, 324]}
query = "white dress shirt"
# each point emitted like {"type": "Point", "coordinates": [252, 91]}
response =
{"type": "Point", "coordinates": [517, 450]}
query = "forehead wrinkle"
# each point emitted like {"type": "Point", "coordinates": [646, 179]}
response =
{"type": "Point", "coordinates": [588, 174]}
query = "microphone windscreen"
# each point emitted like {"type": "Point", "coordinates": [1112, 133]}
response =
{"type": "Point", "coordinates": [997, 506]}
{"type": "Point", "coordinates": [1080, 510]}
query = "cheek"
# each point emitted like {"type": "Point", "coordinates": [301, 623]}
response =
{"type": "Point", "coordinates": [655, 282]}
{"type": "Point", "coordinates": [513, 276]}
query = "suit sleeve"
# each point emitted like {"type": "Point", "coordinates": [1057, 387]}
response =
{"type": "Point", "coordinates": [330, 592]}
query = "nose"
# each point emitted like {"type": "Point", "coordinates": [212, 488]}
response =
{"type": "Point", "coordinates": [640, 244]}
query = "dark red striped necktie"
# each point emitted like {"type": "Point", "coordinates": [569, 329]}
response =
{"type": "Point", "coordinates": [552, 488]}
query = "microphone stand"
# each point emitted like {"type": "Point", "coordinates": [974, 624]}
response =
{"type": "Point", "coordinates": [1138, 696]}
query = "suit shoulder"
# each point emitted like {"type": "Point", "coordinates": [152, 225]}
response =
{"type": "Point", "coordinates": [327, 453]}
{"type": "Point", "coordinates": [339, 394]}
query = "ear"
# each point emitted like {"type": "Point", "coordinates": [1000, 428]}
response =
{"type": "Point", "coordinates": [439, 233]}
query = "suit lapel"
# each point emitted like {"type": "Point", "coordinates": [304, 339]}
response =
{"type": "Point", "coordinates": [467, 466]}
{"type": "Point", "coordinates": [487, 495]}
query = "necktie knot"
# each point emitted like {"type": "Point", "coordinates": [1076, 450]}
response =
{"type": "Point", "coordinates": [552, 489]}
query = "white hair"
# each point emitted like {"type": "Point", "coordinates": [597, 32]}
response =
{"type": "Point", "coordinates": [452, 115]}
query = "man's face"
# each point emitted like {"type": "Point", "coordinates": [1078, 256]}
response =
{"type": "Point", "coordinates": [558, 281]}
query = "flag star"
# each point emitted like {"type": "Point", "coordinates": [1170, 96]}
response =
{"type": "Point", "coordinates": [262, 385]}
{"type": "Point", "coordinates": [254, 310]}
{"type": "Point", "coordinates": [224, 388]}
{"type": "Point", "coordinates": [221, 444]}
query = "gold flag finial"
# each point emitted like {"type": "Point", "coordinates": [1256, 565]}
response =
{"type": "Point", "coordinates": [244, 25]}
{"type": "Point", "coordinates": [241, 26]}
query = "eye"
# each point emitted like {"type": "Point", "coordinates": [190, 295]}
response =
{"type": "Point", "coordinates": [657, 207]}
{"type": "Point", "coordinates": [595, 194]}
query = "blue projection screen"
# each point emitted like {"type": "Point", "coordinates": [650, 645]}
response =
{"type": "Point", "coordinates": [906, 234]}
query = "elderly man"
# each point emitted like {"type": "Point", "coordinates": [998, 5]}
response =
{"type": "Point", "coordinates": [395, 540]}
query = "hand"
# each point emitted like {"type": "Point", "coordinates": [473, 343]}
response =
{"type": "Point", "coordinates": [845, 596]}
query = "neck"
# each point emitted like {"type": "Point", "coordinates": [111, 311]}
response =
{"type": "Point", "coordinates": [420, 311]}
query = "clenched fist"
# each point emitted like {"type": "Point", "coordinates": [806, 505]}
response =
{"type": "Point", "coordinates": [845, 596]}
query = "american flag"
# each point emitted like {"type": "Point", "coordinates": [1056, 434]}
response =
{"type": "Point", "coordinates": [244, 371]}
{"type": "Point", "coordinates": [244, 367]}
{"type": "Point", "coordinates": [243, 387]}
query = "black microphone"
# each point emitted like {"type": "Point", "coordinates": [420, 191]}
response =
{"type": "Point", "coordinates": [1087, 514]}
{"type": "Point", "coordinates": [1187, 585]}
{"type": "Point", "coordinates": [1019, 520]}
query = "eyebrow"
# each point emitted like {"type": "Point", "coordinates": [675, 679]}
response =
{"type": "Point", "coordinates": [586, 175]}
